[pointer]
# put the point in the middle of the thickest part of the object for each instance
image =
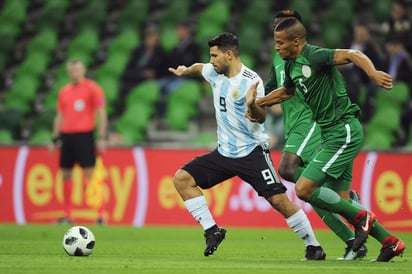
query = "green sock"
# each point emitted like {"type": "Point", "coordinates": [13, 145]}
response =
{"type": "Point", "coordinates": [335, 223]}
{"type": "Point", "coordinates": [379, 232]}
{"type": "Point", "coordinates": [328, 199]}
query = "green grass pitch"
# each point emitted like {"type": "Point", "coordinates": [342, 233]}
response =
{"type": "Point", "coordinates": [38, 249]}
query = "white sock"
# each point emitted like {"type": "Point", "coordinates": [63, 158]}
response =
{"type": "Point", "coordinates": [299, 223]}
{"type": "Point", "coordinates": [198, 208]}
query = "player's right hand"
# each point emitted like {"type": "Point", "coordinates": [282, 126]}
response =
{"type": "Point", "coordinates": [179, 71]}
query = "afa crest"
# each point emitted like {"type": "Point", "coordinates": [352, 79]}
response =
{"type": "Point", "coordinates": [235, 94]}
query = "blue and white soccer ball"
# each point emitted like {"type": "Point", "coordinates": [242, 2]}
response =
{"type": "Point", "coordinates": [78, 241]}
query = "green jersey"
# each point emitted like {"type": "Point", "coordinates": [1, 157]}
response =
{"type": "Point", "coordinates": [295, 110]}
{"type": "Point", "coordinates": [318, 80]}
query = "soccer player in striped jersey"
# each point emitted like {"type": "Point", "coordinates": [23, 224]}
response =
{"type": "Point", "coordinates": [311, 73]}
{"type": "Point", "coordinates": [302, 136]}
{"type": "Point", "coordinates": [242, 148]}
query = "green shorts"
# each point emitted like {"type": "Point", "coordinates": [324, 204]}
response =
{"type": "Point", "coordinates": [341, 144]}
{"type": "Point", "coordinates": [304, 141]}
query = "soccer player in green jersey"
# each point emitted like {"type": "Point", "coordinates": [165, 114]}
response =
{"type": "Point", "coordinates": [302, 136]}
{"type": "Point", "coordinates": [311, 73]}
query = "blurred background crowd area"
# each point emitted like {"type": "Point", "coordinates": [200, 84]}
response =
{"type": "Point", "coordinates": [127, 46]}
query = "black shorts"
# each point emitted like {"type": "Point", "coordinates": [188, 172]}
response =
{"type": "Point", "coordinates": [77, 148]}
{"type": "Point", "coordinates": [256, 169]}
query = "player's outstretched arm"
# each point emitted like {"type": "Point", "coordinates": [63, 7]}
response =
{"type": "Point", "coordinates": [359, 59]}
{"type": "Point", "coordinates": [192, 71]}
{"type": "Point", "coordinates": [277, 96]}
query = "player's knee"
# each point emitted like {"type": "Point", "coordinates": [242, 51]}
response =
{"type": "Point", "coordinates": [182, 179]}
{"type": "Point", "coordinates": [302, 192]}
{"type": "Point", "coordinates": [287, 172]}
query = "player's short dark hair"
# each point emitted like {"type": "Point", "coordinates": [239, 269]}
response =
{"type": "Point", "coordinates": [226, 41]}
{"type": "Point", "coordinates": [293, 27]}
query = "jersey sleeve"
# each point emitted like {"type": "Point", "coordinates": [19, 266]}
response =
{"type": "Point", "coordinates": [322, 56]}
{"type": "Point", "coordinates": [99, 99]}
{"type": "Point", "coordinates": [260, 89]}
{"type": "Point", "coordinates": [208, 72]}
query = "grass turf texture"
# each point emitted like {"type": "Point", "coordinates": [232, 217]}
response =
{"type": "Point", "coordinates": [38, 249]}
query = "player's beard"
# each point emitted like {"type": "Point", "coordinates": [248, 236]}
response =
{"type": "Point", "coordinates": [222, 70]}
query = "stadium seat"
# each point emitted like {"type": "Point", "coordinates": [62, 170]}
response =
{"type": "Point", "coordinates": [86, 41]}
{"type": "Point", "coordinates": [24, 88]}
{"type": "Point", "coordinates": [52, 14]}
{"type": "Point", "coordinates": [34, 65]}
{"type": "Point", "coordinates": [168, 38]}
{"type": "Point", "coordinates": [11, 119]}
{"type": "Point", "coordinates": [378, 140]}
{"type": "Point", "coordinates": [6, 137]}
{"type": "Point", "coordinates": [178, 115]}
{"type": "Point", "coordinates": [14, 12]}
{"type": "Point", "coordinates": [113, 66]}
{"type": "Point", "coordinates": [43, 121]}
{"type": "Point", "coordinates": [381, 9]}
{"type": "Point", "coordinates": [147, 92]}
{"type": "Point", "coordinates": [92, 15]}
{"type": "Point", "coordinates": [110, 86]}
{"type": "Point", "coordinates": [134, 15]}
{"type": "Point", "coordinates": [136, 118]}
{"type": "Point", "coordinates": [398, 96]}
{"type": "Point", "coordinates": [189, 92]}
{"type": "Point", "coordinates": [41, 137]}
{"type": "Point", "coordinates": [45, 41]}
{"type": "Point", "coordinates": [124, 42]}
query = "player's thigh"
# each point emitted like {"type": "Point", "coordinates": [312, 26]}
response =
{"type": "Point", "coordinates": [85, 149]}
{"type": "Point", "coordinates": [304, 141]}
{"type": "Point", "coordinates": [258, 170]}
{"type": "Point", "coordinates": [341, 145]}
{"type": "Point", "coordinates": [209, 169]}
{"type": "Point", "coordinates": [67, 152]}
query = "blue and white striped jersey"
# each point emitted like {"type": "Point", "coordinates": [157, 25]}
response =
{"type": "Point", "coordinates": [237, 136]}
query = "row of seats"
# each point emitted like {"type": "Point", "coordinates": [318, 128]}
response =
{"type": "Point", "coordinates": [65, 29]}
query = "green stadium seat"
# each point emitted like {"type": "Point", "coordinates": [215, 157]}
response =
{"type": "Point", "coordinates": [34, 65]}
{"type": "Point", "coordinates": [147, 92]}
{"type": "Point", "coordinates": [52, 14]}
{"type": "Point", "coordinates": [11, 118]}
{"type": "Point", "coordinates": [178, 115]}
{"type": "Point", "coordinates": [6, 137]}
{"type": "Point", "coordinates": [189, 92]}
{"type": "Point", "coordinates": [41, 137]}
{"type": "Point", "coordinates": [134, 15]}
{"type": "Point", "coordinates": [43, 121]}
{"type": "Point", "coordinates": [92, 15]}
{"type": "Point", "coordinates": [14, 12]}
{"type": "Point", "coordinates": [12, 100]}
{"type": "Point", "coordinates": [136, 117]}
{"type": "Point", "coordinates": [124, 42]}
{"type": "Point", "coordinates": [86, 41]}
{"type": "Point", "coordinates": [113, 66]}
{"type": "Point", "coordinates": [24, 88]}
{"type": "Point", "coordinates": [381, 9]}
{"type": "Point", "coordinates": [168, 38]}
{"type": "Point", "coordinates": [398, 96]}
{"type": "Point", "coordinates": [378, 140]}
{"type": "Point", "coordinates": [44, 41]}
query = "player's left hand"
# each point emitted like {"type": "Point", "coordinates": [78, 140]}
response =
{"type": "Point", "coordinates": [251, 95]}
{"type": "Point", "coordinates": [382, 79]}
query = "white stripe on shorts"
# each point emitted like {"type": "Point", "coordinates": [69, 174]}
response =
{"type": "Point", "coordinates": [306, 140]}
{"type": "Point", "coordinates": [339, 152]}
